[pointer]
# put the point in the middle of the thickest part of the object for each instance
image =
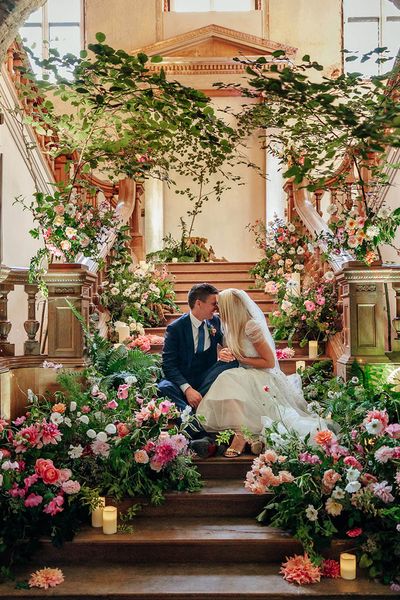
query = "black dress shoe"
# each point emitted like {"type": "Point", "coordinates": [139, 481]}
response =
{"type": "Point", "coordinates": [204, 447]}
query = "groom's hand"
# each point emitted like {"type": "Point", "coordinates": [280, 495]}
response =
{"type": "Point", "coordinates": [193, 397]}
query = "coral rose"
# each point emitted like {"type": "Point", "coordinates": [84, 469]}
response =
{"type": "Point", "coordinates": [323, 437]}
{"type": "Point", "coordinates": [59, 408]}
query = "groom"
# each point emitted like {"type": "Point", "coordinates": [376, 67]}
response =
{"type": "Point", "coordinates": [190, 357]}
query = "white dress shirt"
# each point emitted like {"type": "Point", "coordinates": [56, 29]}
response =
{"type": "Point", "coordinates": [195, 331]}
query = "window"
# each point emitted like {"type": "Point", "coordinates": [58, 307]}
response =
{"type": "Point", "coordinates": [56, 25]}
{"type": "Point", "coordinates": [212, 5]}
{"type": "Point", "coordinates": [369, 24]}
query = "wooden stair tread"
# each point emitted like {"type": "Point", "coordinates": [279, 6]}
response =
{"type": "Point", "coordinates": [225, 581]}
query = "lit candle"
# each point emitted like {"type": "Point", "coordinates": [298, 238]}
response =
{"type": "Point", "coordinates": [312, 349]}
{"type": "Point", "coordinates": [122, 330]}
{"type": "Point", "coordinates": [300, 365]}
{"type": "Point", "coordinates": [109, 520]}
{"type": "Point", "coordinates": [97, 513]}
{"type": "Point", "coordinates": [347, 566]}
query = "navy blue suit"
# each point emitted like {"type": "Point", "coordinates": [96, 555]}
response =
{"type": "Point", "coordinates": [182, 365]}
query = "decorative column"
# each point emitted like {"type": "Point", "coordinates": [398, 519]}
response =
{"type": "Point", "coordinates": [31, 325]}
{"type": "Point", "coordinates": [137, 243]}
{"type": "Point", "coordinates": [364, 313]}
{"type": "Point", "coordinates": [70, 282]}
{"type": "Point", "coordinates": [154, 211]}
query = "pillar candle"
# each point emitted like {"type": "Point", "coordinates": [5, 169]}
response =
{"type": "Point", "coordinates": [347, 566]}
{"type": "Point", "coordinates": [300, 364]}
{"type": "Point", "coordinates": [109, 520]}
{"type": "Point", "coordinates": [123, 332]}
{"type": "Point", "coordinates": [312, 349]}
{"type": "Point", "coordinates": [97, 513]}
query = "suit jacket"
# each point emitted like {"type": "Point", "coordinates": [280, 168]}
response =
{"type": "Point", "coordinates": [178, 352]}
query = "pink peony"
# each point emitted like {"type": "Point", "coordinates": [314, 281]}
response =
{"type": "Point", "coordinates": [71, 487]}
{"type": "Point", "coordinates": [300, 569]}
{"type": "Point", "coordinates": [65, 474]}
{"type": "Point", "coordinates": [30, 480]}
{"type": "Point", "coordinates": [50, 433]}
{"type": "Point", "coordinates": [45, 578]}
{"type": "Point", "coordinates": [33, 500]}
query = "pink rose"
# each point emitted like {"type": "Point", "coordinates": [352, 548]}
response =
{"type": "Point", "coordinates": [141, 457]}
{"type": "Point", "coordinates": [86, 409]}
{"type": "Point", "coordinates": [71, 487]}
{"type": "Point", "coordinates": [113, 404]}
{"type": "Point", "coordinates": [65, 474]}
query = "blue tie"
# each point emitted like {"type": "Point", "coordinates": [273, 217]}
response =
{"type": "Point", "coordinates": [200, 341]}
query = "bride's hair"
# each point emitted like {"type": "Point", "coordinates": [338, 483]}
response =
{"type": "Point", "coordinates": [234, 316]}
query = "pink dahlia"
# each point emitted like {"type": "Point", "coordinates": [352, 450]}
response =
{"type": "Point", "coordinates": [45, 578]}
{"type": "Point", "coordinates": [299, 569]}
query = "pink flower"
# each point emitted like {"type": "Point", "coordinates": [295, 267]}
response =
{"type": "Point", "coordinates": [122, 429]}
{"type": "Point", "coordinates": [16, 492]}
{"type": "Point", "coordinates": [179, 441]}
{"type": "Point", "coordinates": [100, 448]}
{"type": "Point", "coordinates": [312, 459]}
{"type": "Point", "coordinates": [123, 391]}
{"type": "Point", "coordinates": [59, 209]}
{"type": "Point", "coordinates": [85, 409]}
{"type": "Point", "coordinates": [54, 506]}
{"type": "Point", "coordinates": [351, 461]}
{"type": "Point", "coordinates": [384, 453]}
{"type": "Point", "coordinates": [393, 431]}
{"type": "Point", "coordinates": [380, 416]}
{"type": "Point", "coordinates": [65, 474]}
{"type": "Point", "coordinates": [45, 578]}
{"type": "Point", "coordinates": [329, 480]}
{"type": "Point", "coordinates": [33, 500]}
{"type": "Point", "coordinates": [71, 487]}
{"type": "Point", "coordinates": [18, 421]}
{"type": "Point", "coordinates": [113, 404]}
{"type": "Point", "coordinates": [382, 491]}
{"type": "Point", "coordinates": [266, 388]}
{"type": "Point", "coordinates": [354, 532]}
{"type": "Point", "coordinates": [300, 569]}
{"type": "Point", "coordinates": [165, 406]}
{"type": "Point", "coordinates": [30, 480]}
{"type": "Point", "coordinates": [47, 471]}
{"type": "Point", "coordinates": [320, 300]}
{"type": "Point", "coordinates": [310, 306]}
{"type": "Point", "coordinates": [31, 435]}
{"type": "Point", "coordinates": [50, 433]}
{"type": "Point", "coordinates": [141, 457]}
{"type": "Point", "coordinates": [150, 446]}
{"type": "Point", "coordinates": [269, 456]}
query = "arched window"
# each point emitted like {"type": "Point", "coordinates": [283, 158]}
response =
{"type": "Point", "coordinates": [56, 25]}
{"type": "Point", "coordinates": [370, 24]}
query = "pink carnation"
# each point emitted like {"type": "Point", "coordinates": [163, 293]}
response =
{"type": "Point", "coordinates": [393, 431]}
{"type": "Point", "coordinates": [54, 506]}
{"type": "Point", "coordinates": [351, 461]}
{"type": "Point", "coordinates": [113, 404]}
{"type": "Point", "coordinates": [71, 487]}
{"type": "Point", "coordinates": [354, 532]}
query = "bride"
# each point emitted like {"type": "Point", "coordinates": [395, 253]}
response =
{"type": "Point", "coordinates": [256, 392]}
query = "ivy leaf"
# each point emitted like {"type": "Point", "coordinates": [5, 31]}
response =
{"type": "Point", "coordinates": [100, 37]}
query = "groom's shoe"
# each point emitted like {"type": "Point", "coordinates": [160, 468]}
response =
{"type": "Point", "coordinates": [203, 447]}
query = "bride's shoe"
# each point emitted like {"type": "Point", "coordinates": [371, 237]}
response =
{"type": "Point", "coordinates": [235, 449]}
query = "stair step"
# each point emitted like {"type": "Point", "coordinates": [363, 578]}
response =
{"type": "Point", "coordinates": [207, 267]}
{"type": "Point", "coordinates": [240, 284]}
{"type": "Point", "coordinates": [218, 498]}
{"type": "Point", "coordinates": [219, 467]}
{"type": "Point", "coordinates": [171, 581]}
{"type": "Point", "coordinates": [188, 539]}
{"type": "Point", "coordinates": [214, 277]}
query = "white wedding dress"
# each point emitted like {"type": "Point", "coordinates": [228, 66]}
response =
{"type": "Point", "coordinates": [240, 399]}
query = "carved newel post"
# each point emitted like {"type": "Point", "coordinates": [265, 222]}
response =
{"type": "Point", "coordinates": [71, 282]}
{"type": "Point", "coordinates": [31, 325]}
{"type": "Point", "coordinates": [364, 314]}
{"type": "Point", "coordinates": [6, 349]}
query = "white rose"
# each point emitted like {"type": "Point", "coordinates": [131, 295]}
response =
{"type": "Point", "coordinates": [110, 429]}
{"type": "Point", "coordinates": [72, 406]}
{"type": "Point", "coordinates": [67, 422]}
{"type": "Point", "coordinates": [75, 451]}
{"type": "Point", "coordinates": [300, 250]}
{"type": "Point", "coordinates": [84, 419]}
{"type": "Point", "coordinates": [102, 436]}
{"type": "Point", "coordinates": [91, 433]}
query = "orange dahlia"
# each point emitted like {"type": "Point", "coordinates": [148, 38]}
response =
{"type": "Point", "coordinates": [45, 578]}
{"type": "Point", "coordinates": [299, 569]}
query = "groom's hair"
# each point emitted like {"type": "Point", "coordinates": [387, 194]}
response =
{"type": "Point", "coordinates": [200, 291]}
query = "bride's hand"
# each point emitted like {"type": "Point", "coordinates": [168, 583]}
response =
{"type": "Point", "coordinates": [225, 355]}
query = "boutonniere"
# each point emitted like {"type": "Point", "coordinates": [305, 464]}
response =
{"type": "Point", "coordinates": [211, 330]}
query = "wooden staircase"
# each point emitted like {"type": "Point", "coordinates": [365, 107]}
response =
{"type": "Point", "coordinates": [226, 275]}
{"type": "Point", "coordinates": [201, 546]}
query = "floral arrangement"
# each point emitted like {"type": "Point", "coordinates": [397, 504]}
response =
{"type": "Point", "coordinates": [309, 315]}
{"type": "Point", "coordinates": [104, 432]}
{"type": "Point", "coordinates": [69, 225]}
{"type": "Point", "coordinates": [140, 294]}
{"type": "Point", "coordinates": [360, 230]}
{"type": "Point", "coordinates": [145, 342]}
{"type": "Point", "coordinates": [337, 485]}
{"type": "Point", "coordinates": [284, 251]}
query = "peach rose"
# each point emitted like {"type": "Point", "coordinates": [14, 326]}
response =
{"type": "Point", "coordinates": [59, 408]}
{"type": "Point", "coordinates": [323, 437]}
{"type": "Point", "coordinates": [329, 480]}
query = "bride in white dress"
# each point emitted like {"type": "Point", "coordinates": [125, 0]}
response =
{"type": "Point", "coordinates": [257, 392]}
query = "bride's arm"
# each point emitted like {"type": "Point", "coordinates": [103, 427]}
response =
{"type": "Point", "coordinates": [265, 360]}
